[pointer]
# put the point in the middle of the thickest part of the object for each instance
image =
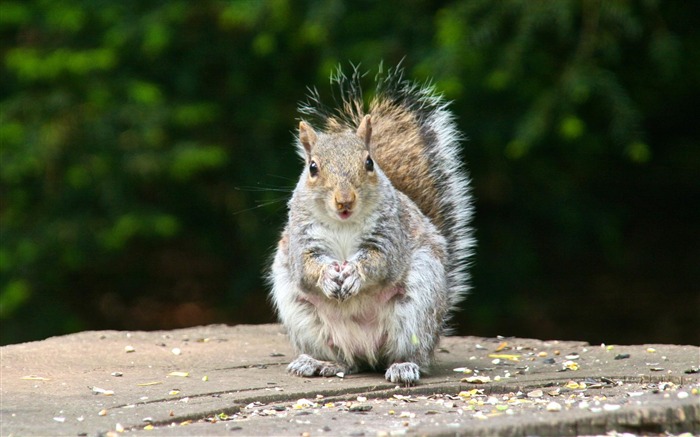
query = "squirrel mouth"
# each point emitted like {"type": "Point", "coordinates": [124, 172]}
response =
{"type": "Point", "coordinates": [345, 214]}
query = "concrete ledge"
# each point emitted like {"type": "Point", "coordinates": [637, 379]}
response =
{"type": "Point", "coordinates": [221, 380]}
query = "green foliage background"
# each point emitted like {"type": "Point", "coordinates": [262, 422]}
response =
{"type": "Point", "coordinates": [146, 156]}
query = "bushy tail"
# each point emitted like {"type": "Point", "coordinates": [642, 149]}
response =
{"type": "Point", "coordinates": [416, 143]}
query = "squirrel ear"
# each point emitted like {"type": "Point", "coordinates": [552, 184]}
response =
{"type": "Point", "coordinates": [307, 136]}
{"type": "Point", "coordinates": [365, 129]}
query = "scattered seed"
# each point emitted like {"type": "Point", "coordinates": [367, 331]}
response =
{"type": "Point", "coordinates": [129, 349]}
{"type": "Point", "coordinates": [570, 365]}
{"type": "Point", "coordinates": [102, 413]}
{"type": "Point", "coordinates": [480, 415]}
{"type": "Point", "coordinates": [535, 394]}
{"type": "Point", "coordinates": [146, 384]}
{"type": "Point", "coordinates": [651, 350]}
{"type": "Point", "coordinates": [682, 394]}
{"type": "Point", "coordinates": [553, 406]}
{"type": "Point", "coordinates": [573, 385]}
{"type": "Point", "coordinates": [304, 403]}
{"type": "Point", "coordinates": [477, 379]}
{"type": "Point", "coordinates": [101, 391]}
{"type": "Point", "coordinates": [118, 427]}
{"type": "Point", "coordinates": [179, 374]}
{"type": "Point", "coordinates": [117, 374]}
{"type": "Point", "coordinates": [510, 357]}
{"type": "Point", "coordinates": [59, 419]}
{"type": "Point", "coordinates": [611, 407]}
{"type": "Point", "coordinates": [176, 351]}
{"type": "Point", "coordinates": [34, 378]}
{"type": "Point", "coordinates": [622, 356]}
{"type": "Point", "coordinates": [470, 393]}
{"type": "Point", "coordinates": [360, 408]}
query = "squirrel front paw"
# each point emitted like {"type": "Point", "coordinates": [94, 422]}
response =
{"type": "Point", "coordinates": [340, 281]}
{"type": "Point", "coordinates": [330, 282]}
{"type": "Point", "coordinates": [350, 280]}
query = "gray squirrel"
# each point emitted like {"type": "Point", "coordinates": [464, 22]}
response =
{"type": "Point", "coordinates": [375, 251]}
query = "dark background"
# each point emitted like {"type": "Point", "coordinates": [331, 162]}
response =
{"type": "Point", "coordinates": [146, 156]}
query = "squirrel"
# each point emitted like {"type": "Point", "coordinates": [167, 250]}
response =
{"type": "Point", "coordinates": [374, 255]}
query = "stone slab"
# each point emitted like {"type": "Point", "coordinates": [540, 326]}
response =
{"type": "Point", "coordinates": [231, 380]}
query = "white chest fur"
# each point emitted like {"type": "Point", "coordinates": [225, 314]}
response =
{"type": "Point", "coordinates": [342, 241]}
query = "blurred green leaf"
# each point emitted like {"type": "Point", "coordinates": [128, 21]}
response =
{"type": "Point", "coordinates": [639, 152]}
{"type": "Point", "coordinates": [571, 127]}
{"type": "Point", "coordinates": [145, 93]}
{"type": "Point", "coordinates": [190, 159]}
{"type": "Point", "coordinates": [12, 296]}
{"type": "Point", "coordinates": [13, 13]}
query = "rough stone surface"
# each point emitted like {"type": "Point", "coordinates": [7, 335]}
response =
{"type": "Point", "coordinates": [220, 380]}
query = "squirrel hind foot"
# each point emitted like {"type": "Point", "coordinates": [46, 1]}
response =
{"type": "Point", "coordinates": [306, 365]}
{"type": "Point", "coordinates": [407, 373]}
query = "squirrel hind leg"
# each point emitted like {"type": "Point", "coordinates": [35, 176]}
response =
{"type": "Point", "coordinates": [306, 365]}
{"type": "Point", "coordinates": [406, 373]}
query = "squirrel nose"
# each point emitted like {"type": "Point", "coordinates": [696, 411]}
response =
{"type": "Point", "coordinates": [344, 200]}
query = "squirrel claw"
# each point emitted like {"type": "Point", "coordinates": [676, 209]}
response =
{"type": "Point", "coordinates": [305, 365]}
{"type": "Point", "coordinates": [331, 281]}
{"type": "Point", "coordinates": [350, 280]}
{"type": "Point", "coordinates": [403, 373]}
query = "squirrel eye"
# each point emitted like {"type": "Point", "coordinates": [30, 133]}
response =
{"type": "Point", "coordinates": [313, 169]}
{"type": "Point", "coordinates": [369, 164]}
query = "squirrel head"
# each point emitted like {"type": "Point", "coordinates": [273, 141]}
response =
{"type": "Point", "coordinates": [340, 175]}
